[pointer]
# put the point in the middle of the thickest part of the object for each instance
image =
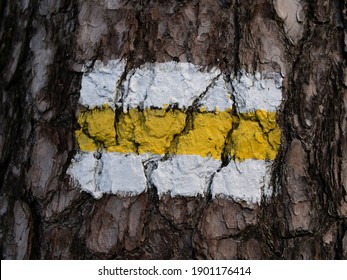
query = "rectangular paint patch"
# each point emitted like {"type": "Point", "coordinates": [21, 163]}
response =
{"type": "Point", "coordinates": [180, 119]}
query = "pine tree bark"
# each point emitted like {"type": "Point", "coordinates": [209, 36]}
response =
{"type": "Point", "coordinates": [44, 45]}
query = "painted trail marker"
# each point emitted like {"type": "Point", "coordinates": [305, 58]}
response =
{"type": "Point", "coordinates": [179, 110]}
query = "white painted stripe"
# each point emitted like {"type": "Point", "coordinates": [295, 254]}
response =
{"type": "Point", "coordinates": [112, 173]}
{"type": "Point", "coordinates": [218, 96]}
{"type": "Point", "coordinates": [244, 180]}
{"type": "Point", "coordinates": [162, 84]}
{"type": "Point", "coordinates": [185, 175]}
{"type": "Point", "coordinates": [181, 175]}
{"type": "Point", "coordinates": [259, 91]}
{"type": "Point", "coordinates": [159, 84]}
{"type": "Point", "coordinates": [99, 86]}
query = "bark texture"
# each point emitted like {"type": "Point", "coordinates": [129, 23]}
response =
{"type": "Point", "coordinates": [45, 43]}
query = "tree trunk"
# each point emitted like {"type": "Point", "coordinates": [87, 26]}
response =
{"type": "Point", "coordinates": [49, 50]}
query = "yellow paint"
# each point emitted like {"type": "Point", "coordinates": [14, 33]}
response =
{"type": "Point", "coordinates": [207, 136]}
{"type": "Point", "coordinates": [149, 131]}
{"type": "Point", "coordinates": [202, 109]}
{"type": "Point", "coordinates": [255, 135]}
{"type": "Point", "coordinates": [98, 125]}
{"type": "Point", "coordinates": [85, 143]}
{"type": "Point", "coordinates": [267, 120]}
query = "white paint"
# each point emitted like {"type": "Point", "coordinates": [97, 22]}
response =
{"type": "Point", "coordinates": [244, 180]}
{"type": "Point", "coordinates": [169, 83]}
{"type": "Point", "coordinates": [82, 171]}
{"type": "Point", "coordinates": [113, 173]}
{"type": "Point", "coordinates": [99, 86]}
{"type": "Point", "coordinates": [122, 174]}
{"type": "Point", "coordinates": [218, 96]}
{"type": "Point", "coordinates": [185, 175]}
{"type": "Point", "coordinates": [259, 91]}
{"type": "Point", "coordinates": [181, 175]}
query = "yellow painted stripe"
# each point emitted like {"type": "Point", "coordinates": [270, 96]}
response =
{"type": "Point", "coordinates": [159, 131]}
{"type": "Point", "coordinates": [257, 136]}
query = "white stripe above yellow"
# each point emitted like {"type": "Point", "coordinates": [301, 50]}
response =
{"type": "Point", "coordinates": [99, 85]}
{"type": "Point", "coordinates": [154, 85]}
{"type": "Point", "coordinates": [257, 91]}
{"type": "Point", "coordinates": [171, 83]}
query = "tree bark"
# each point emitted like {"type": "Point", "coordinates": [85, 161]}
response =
{"type": "Point", "coordinates": [44, 44]}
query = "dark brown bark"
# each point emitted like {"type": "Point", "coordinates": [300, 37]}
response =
{"type": "Point", "coordinates": [44, 44]}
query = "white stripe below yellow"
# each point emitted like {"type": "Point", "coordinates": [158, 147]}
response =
{"type": "Point", "coordinates": [181, 175]}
